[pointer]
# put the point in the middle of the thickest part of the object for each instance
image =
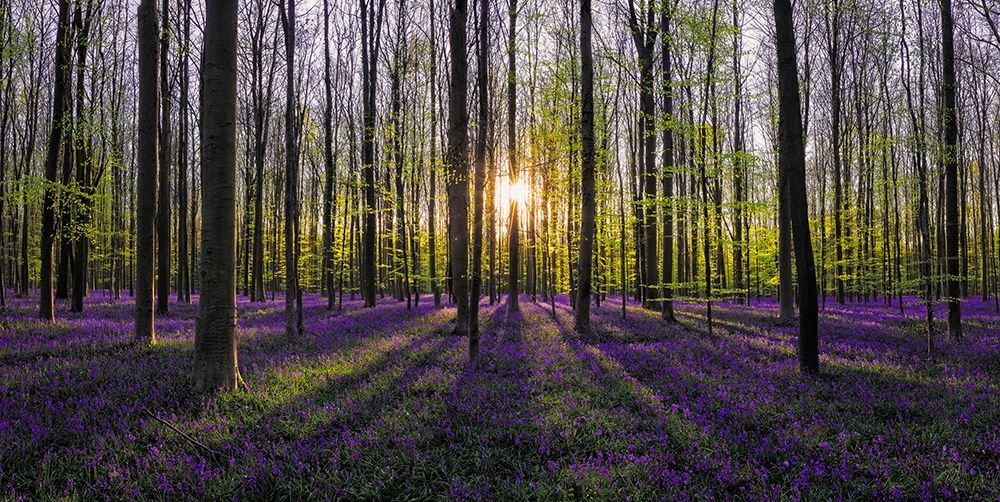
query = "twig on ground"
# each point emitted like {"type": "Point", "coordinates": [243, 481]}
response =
{"type": "Point", "coordinates": [183, 434]}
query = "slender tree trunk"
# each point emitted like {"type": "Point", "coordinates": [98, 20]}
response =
{"type": "Point", "coordinates": [587, 168]}
{"type": "Point", "coordinates": [667, 176]}
{"type": "Point", "coordinates": [792, 163]}
{"type": "Point", "coordinates": [514, 232]}
{"type": "Point", "coordinates": [400, 265]}
{"type": "Point", "coordinates": [61, 85]}
{"type": "Point", "coordinates": [836, 61]}
{"type": "Point", "coordinates": [370, 35]}
{"type": "Point", "coordinates": [432, 181]}
{"type": "Point", "coordinates": [456, 165]}
{"type": "Point", "coordinates": [291, 227]}
{"type": "Point", "coordinates": [739, 246]}
{"type": "Point", "coordinates": [163, 195]}
{"type": "Point", "coordinates": [950, 119]}
{"type": "Point", "coordinates": [482, 122]}
{"type": "Point", "coordinates": [329, 173]}
{"type": "Point", "coordinates": [84, 170]}
{"type": "Point", "coordinates": [147, 167]}
{"type": "Point", "coordinates": [183, 271]}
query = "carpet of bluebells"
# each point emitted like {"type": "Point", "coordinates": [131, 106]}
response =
{"type": "Point", "coordinates": [379, 403]}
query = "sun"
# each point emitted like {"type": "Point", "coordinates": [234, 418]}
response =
{"type": "Point", "coordinates": [518, 192]}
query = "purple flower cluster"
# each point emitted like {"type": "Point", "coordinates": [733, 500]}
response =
{"type": "Point", "coordinates": [378, 403]}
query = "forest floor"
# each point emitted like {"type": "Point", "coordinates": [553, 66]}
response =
{"type": "Point", "coordinates": [379, 403]}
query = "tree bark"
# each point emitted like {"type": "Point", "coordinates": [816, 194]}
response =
{"type": "Point", "coordinates": [456, 165]}
{"type": "Point", "coordinates": [482, 123]}
{"type": "Point", "coordinates": [147, 168]}
{"type": "Point", "coordinates": [371, 27]}
{"type": "Point", "coordinates": [183, 271]}
{"type": "Point", "coordinates": [163, 195]}
{"type": "Point", "coordinates": [792, 163]}
{"type": "Point", "coordinates": [85, 179]}
{"type": "Point", "coordinates": [329, 173]}
{"type": "Point", "coordinates": [667, 176]}
{"type": "Point", "coordinates": [293, 325]}
{"type": "Point", "coordinates": [215, 361]}
{"type": "Point", "coordinates": [587, 167]}
{"type": "Point", "coordinates": [950, 119]}
{"type": "Point", "coordinates": [432, 181]}
{"type": "Point", "coordinates": [514, 232]}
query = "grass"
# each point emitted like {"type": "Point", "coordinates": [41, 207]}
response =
{"type": "Point", "coordinates": [379, 403]}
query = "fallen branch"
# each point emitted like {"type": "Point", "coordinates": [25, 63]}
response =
{"type": "Point", "coordinates": [183, 434]}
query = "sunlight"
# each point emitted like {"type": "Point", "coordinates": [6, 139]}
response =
{"type": "Point", "coordinates": [518, 192]}
{"type": "Point", "coordinates": [508, 193]}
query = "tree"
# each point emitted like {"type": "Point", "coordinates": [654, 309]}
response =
{"type": "Point", "coordinates": [397, 74]}
{"type": "Point", "coordinates": [836, 59]}
{"type": "Point", "coordinates": [163, 195]}
{"type": "Point", "coordinates": [482, 138]}
{"type": "Point", "coordinates": [514, 233]}
{"type": "Point", "coordinates": [147, 168]}
{"type": "Point", "coordinates": [293, 294]}
{"type": "Point", "coordinates": [739, 190]}
{"type": "Point", "coordinates": [6, 102]}
{"type": "Point", "coordinates": [792, 167]}
{"type": "Point", "coordinates": [329, 171]}
{"type": "Point", "coordinates": [86, 179]}
{"type": "Point", "coordinates": [920, 161]}
{"type": "Point", "coordinates": [457, 166]}
{"type": "Point", "coordinates": [950, 119]}
{"type": "Point", "coordinates": [644, 38]}
{"type": "Point", "coordinates": [371, 36]}
{"type": "Point", "coordinates": [215, 360]}
{"type": "Point", "coordinates": [261, 95]}
{"type": "Point", "coordinates": [432, 182]}
{"type": "Point", "coordinates": [667, 176]}
{"type": "Point", "coordinates": [183, 271]}
{"type": "Point", "coordinates": [59, 104]}
{"type": "Point", "coordinates": [587, 168]}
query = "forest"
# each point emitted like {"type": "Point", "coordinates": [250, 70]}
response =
{"type": "Point", "coordinates": [499, 249]}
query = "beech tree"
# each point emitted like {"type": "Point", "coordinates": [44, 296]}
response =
{"type": "Point", "coordinates": [950, 160]}
{"type": "Point", "coordinates": [482, 138]}
{"type": "Point", "coordinates": [147, 158]}
{"type": "Point", "coordinates": [514, 227]}
{"type": "Point", "coordinates": [587, 168]}
{"type": "Point", "coordinates": [293, 294]}
{"type": "Point", "coordinates": [456, 164]}
{"type": "Point", "coordinates": [792, 170]}
{"type": "Point", "coordinates": [215, 356]}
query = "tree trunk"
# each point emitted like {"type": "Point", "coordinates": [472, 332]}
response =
{"type": "Point", "coordinates": [587, 168]}
{"type": "Point", "coordinates": [432, 181]}
{"type": "Point", "coordinates": [667, 306]}
{"type": "Point", "coordinates": [792, 163]}
{"type": "Point", "coordinates": [836, 61]}
{"type": "Point", "coordinates": [84, 170]}
{"type": "Point", "coordinates": [514, 232]}
{"type": "Point", "coordinates": [950, 118]}
{"type": "Point", "coordinates": [163, 195]}
{"type": "Point", "coordinates": [739, 246]}
{"type": "Point", "coordinates": [215, 361]}
{"type": "Point", "coordinates": [456, 165]}
{"type": "Point", "coordinates": [329, 174]}
{"type": "Point", "coordinates": [60, 98]}
{"type": "Point", "coordinates": [370, 36]}
{"type": "Point", "coordinates": [482, 125]}
{"type": "Point", "coordinates": [147, 168]}
{"type": "Point", "coordinates": [291, 228]}
{"type": "Point", "coordinates": [183, 271]}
